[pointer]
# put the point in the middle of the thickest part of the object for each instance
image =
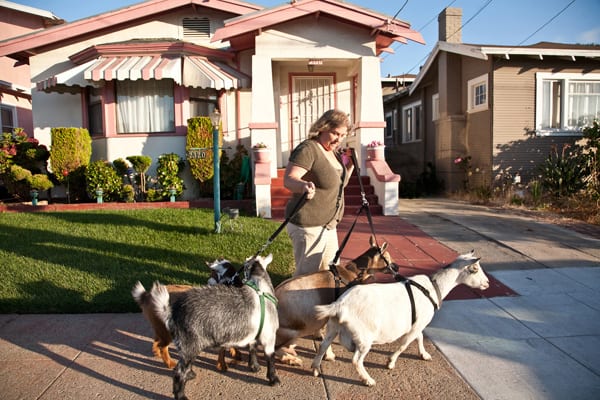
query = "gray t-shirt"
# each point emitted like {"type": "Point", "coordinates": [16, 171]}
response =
{"type": "Point", "coordinates": [326, 208]}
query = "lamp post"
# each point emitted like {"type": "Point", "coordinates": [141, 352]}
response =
{"type": "Point", "coordinates": [215, 119]}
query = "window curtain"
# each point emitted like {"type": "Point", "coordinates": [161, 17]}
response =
{"type": "Point", "coordinates": [145, 106]}
{"type": "Point", "coordinates": [584, 103]}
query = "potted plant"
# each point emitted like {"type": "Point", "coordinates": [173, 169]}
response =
{"type": "Point", "coordinates": [376, 150]}
{"type": "Point", "coordinates": [261, 153]}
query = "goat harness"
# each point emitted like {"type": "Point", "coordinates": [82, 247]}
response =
{"type": "Point", "coordinates": [261, 295]}
{"type": "Point", "coordinates": [408, 283]}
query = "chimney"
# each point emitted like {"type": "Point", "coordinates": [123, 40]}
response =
{"type": "Point", "coordinates": [450, 21]}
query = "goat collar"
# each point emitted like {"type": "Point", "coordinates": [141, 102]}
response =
{"type": "Point", "coordinates": [437, 292]}
{"type": "Point", "coordinates": [261, 296]}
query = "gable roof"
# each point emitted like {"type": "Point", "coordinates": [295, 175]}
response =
{"type": "Point", "coordinates": [483, 52]}
{"type": "Point", "coordinates": [385, 28]}
{"type": "Point", "coordinates": [27, 45]}
{"type": "Point", "coordinates": [49, 17]}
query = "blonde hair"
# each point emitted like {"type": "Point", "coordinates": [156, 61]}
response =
{"type": "Point", "coordinates": [329, 121]}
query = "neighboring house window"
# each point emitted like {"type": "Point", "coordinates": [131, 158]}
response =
{"type": "Point", "coordinates": [411, 122]}
{"type": "Point", "coordinates": [390, 124]}
{"type": "Point", "coordinates": [145, 106]}
{"type": "Point", "coordinates": [202, 102]}
{"type": "Point", "coordinates": [566, 102]}
{"type": "Point", "coordinates": [8, 118]}
{"type": "Point", "coordinates": [478, 93]}
{"type": "Point", "coordinates": [196, 28]}
{"type": "Point", "coordinates": [435, 107]}
{"type": "Point", "coordinates": [94, 103]}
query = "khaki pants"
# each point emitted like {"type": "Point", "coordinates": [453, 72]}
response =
{"type": "Point", "coordinates": [314, 247]}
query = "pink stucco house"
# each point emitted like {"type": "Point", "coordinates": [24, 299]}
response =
{"type": "Point", "coordinates": [15, 88]}
{"type": "Point", "coordinates": [133, 77]}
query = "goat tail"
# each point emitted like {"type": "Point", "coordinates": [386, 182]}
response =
{"type": "Point", "coordinates": [159, 301]}
{"type": "Point", "coordinates": [138, 292]}
{"type": "Point", "coordinates": [326, 311]}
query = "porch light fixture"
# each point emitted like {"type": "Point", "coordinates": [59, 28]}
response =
{"type": "Point", "coordinates": [312, 62]}
{"type": "Point", "coordinates": [215, 119]}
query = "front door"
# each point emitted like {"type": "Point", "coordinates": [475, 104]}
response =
{"type": "Point", "coordinates": [311, 97]}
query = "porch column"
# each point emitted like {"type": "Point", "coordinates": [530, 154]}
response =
{"type": "Point", "coordinates": [263, 128]}
{"type": "Point", "coordinates": [370, 126]}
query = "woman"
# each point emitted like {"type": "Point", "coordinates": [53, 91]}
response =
{"type": "Point", "coordinates": [316, 167]}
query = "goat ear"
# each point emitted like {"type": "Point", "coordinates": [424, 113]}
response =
{"type": "Point", "coordinates": [368, 278]}
{"type": "Point", "coordinates": [372, 241]}
{"type": "Point", "coordinates": [383, 247]}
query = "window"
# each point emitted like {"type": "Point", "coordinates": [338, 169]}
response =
{"type": "Point", "coordinates": [478, 94]}
{"type": "Point", "coordinates": [411, 122]}
{"type": "Point", "coordinates": [8, 118]}
{"type": "Point", "coordinates": [390, 124]}
{"type": "Point", "coordinates": [565, 103]}
{"type": "Point", "coordinates": [202, 102]}
{"type": "Point", "coordinates": [435, 107]}
{"type": "Point", "coordinates": [145, 106]}
{"type": "Point", "coordinates": [94, 104]}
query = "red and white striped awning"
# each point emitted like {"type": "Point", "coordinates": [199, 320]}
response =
{"type": "Point", "coordinates": [134, 68]}
{"type": "Point", "coordinates": [200, 72]}
{"type": "Point", "coordinates": [195, 72]}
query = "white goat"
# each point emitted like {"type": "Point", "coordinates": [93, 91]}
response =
{"type": "Point", "coordinates": [361, 316]}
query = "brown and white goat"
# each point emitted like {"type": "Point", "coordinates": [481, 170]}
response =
{"type": "Point", "coordinates": [299, 295]}
{"type": "Point", "coordinates": [221, 273]}
{"type": "Point", "coordinates": [361, 316]}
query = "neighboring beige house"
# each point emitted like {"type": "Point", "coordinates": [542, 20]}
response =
{"type": "Point", "coordinates": [505, 106]}
{"type": "Point", "coordinates": [271, 73]}
{"type": "Point", "coordinates": [15, 86]}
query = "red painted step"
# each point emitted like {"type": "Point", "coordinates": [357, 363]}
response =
{"type": "Point", "coordinates": [352, 196]}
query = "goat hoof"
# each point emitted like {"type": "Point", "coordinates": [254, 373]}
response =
{"type": "Point", "coordinates": [254, 367]}
{"type": "Point", "coordinates": [275, 382]}
{"type": "Point", "coordinates": [316, 372]}
{"type": "Point", "coordinates": [391, 365]}
{"type": "Point", "coordinates": [370, 382]}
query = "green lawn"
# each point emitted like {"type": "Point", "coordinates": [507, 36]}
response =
{"type": "Point", "coordinates": [82, 262]}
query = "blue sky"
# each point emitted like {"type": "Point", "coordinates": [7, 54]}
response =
{"type": "Point", "coordinates": [501, 22]}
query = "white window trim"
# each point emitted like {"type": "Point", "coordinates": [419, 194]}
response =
{"type": "Point", "coordinates": [404, 133]}
{"type": "Point", "coordinates": [471, 85]}
{"type": "Point", "coordinates": [13, 110]}
{"type": "Point", "coordinates": [435, 107]}
{"type": "Point", "coordinates": [540, 77]}
{"type": "Point", "coordinates": [390, 129]}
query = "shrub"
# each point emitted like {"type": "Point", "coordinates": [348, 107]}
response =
{"type": "Point", "coordinates": [70, 150]}
{"type": "Point", "coordinates": [40, 182]}
{"type": "Point", "coordinates": [167, 172]}
{"type": "Point", "coordinates": [200, 135]}
{"type": "Point", "coordinates": [101, 175]}
{"type": "Point", "coordinates": [141, 164]}
{"type": "Point", "coordinates": [562, 171]}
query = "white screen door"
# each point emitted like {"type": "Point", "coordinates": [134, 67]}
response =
{"type": "Point", "coordinates": [311, 97]}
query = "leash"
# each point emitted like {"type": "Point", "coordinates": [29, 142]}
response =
{"type": "Point", "coordinates": [261, 296]}
{"type": "Point", "coordinates": [295, 210]}
{"type": "Point", "coordinates": [364, 206]}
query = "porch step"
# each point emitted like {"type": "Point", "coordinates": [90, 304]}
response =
{"type": "Point", "coordinates": [352, 196]}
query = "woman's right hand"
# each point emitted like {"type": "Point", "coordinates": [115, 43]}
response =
{"type": "Point", "coordinates": [309, 188]}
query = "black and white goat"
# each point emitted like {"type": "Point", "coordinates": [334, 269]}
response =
{"type": "Point", "coordinates": [361, 316]}
{"type": "Point", "coordinates": [222, 316]}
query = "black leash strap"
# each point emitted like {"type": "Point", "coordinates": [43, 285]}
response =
{"type": "Point", "coordinates": [297, 207]}
{"type": "Point", "coordinates": [365, 202]}
{"type": "Point", "coordinates": [413, 312]}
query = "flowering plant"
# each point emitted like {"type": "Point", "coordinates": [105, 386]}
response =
{"type": "Point", "coordinates": [259, 145]}
{"type": "Point", "coordinates": [375, 143]}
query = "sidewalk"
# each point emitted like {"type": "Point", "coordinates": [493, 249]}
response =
{"type": "Point", "coordinates": [543, 343]}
